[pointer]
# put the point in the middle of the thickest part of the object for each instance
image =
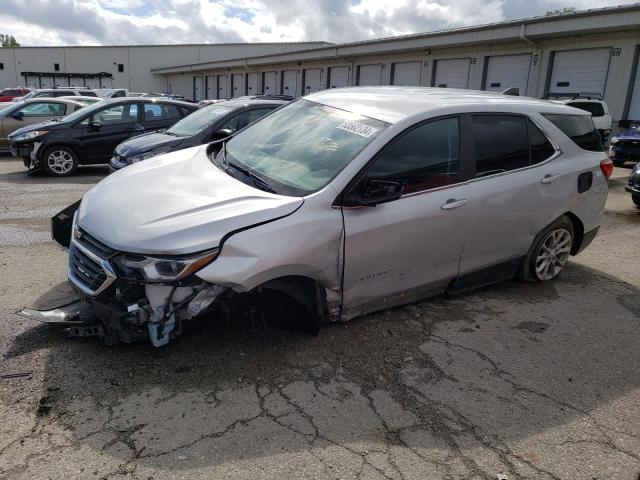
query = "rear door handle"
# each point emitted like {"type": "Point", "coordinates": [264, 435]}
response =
{"type": "Point", "coordinates": [549, 178]}
{"type": "Point", "coordinates": [454, 203]}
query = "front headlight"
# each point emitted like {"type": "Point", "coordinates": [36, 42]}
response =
{"type": "Point", "coordinates": [152, 153]}
{"type": "Point", "coordinates": [29, 135]}
{"type": "Point", "coordinates": [614, 140]}
{"type": "Point", "coordinates": [162, 269]}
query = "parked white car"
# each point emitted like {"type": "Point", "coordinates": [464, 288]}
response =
{"type": "Point", "coordinates": [342, 203]}
{"type": "Point", "coordinates": [597, 108]}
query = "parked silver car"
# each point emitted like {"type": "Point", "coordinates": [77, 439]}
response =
{"type": "Point", "coordinates": [341, 203]}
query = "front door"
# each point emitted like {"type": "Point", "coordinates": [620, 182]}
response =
{"type": "Point", "coordinates": [409, 248]}
{"type": "Point", "coordinates": [33, 112]}
{"type": "Point", "coordinates": [101, 133]}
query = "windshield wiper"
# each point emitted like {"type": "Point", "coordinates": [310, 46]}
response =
{"type": "Point", "coordinates": [257, 181]}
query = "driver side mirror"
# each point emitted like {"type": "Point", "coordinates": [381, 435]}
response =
{"type": "Point", "coordinates": [95, 124]}
{"type": "Point", "coordinates": [221, 134]}
{"type": "Point", "coordinates": [17, 115]}
{"type": "Point", "coordinates": [375, 191]}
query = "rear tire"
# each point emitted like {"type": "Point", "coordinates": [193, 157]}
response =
{"type": "Point", "coordinates": [636, 200]}
{"type": "Point", "coordinates": [619, 163]}
{"type": "Point", "coordinates": [549, 252]}
{"type": "Point", "coordinates": [59, 161]}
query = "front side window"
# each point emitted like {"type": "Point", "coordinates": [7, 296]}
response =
{"type": "Point", "coordinates": [43, 109]}
{"type": "Point", "coordinates": [426, 157]}
{"type": "Point", "coordinates": [302, 146]}
{"type": "Point", "coordinates": [199, 120]}
{"type": "Point", "coordinates": [580, 129]}
{"type": "Point", "coordinates": [117, 114]}
{"type": "Point", "coordinates": [245, 118]}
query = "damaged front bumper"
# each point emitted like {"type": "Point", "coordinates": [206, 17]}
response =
{"type": "Point", "coordinates": [28, 152]}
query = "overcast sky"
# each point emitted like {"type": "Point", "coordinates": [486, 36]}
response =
{"type": "Point", "coordinates": [118, 22]}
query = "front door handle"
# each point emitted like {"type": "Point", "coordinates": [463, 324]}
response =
{"type": "Point", "coordinates": [454, 203]}
{"type": "Point", "coordinates": [549, 178]}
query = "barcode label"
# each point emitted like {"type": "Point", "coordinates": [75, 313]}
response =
{"type": "Point", "coordinates": [357, 128]}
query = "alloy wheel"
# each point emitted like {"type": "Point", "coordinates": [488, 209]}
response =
{"type": "Point", "coordinates": [553, 254]}
{"type": "Point", "coordinates": [60, 162]}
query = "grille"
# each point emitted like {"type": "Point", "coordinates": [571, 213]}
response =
{"type": "Point", "coordinates": [633, 145]}
{"type": "Point", "coordinates": [95, 246]}
{"type": "Point", "coordinates": [89, 268]}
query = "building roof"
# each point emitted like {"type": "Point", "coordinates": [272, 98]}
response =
{"type": "Point", "coordinates": [620, 18]}
{"type": "Point", "coordinates": [392, 104]}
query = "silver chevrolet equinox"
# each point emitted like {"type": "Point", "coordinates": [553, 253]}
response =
{"type": "Point", "coordinates": [341, 203]}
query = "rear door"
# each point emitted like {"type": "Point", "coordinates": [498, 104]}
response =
{"type": "Point", "coordinates": [117, 123]}
{"type": "Point", "coordinates": [158, 116]}
{"type": "Point", "coordinates": [518, 186]}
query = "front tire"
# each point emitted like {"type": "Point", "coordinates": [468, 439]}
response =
{"type": "Point", "coordinates": [636, 200]}
{"type": "Point", "coordinates": [549, 252]}
{"type": "Point", "coordinates": [59, 161]}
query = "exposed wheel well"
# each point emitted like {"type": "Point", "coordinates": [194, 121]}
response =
{"type": "Point", "coordinates": [305, 292]}
{"type": "Point", "coordinates": [578, 232]}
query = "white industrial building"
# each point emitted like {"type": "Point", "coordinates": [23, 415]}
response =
{"type": "Point", "coordinates": [590, 53]}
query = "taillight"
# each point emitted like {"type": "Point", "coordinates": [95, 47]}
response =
{"type": "Point", "coordinates": [606, 166]}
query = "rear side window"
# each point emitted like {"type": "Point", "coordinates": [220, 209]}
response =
{"type": "Point", "coordinates": [502, 143]}
{"type": "Point", "coordinates": [595, 109]}
{"type": "Point", "coordinates": [578, 128]}
{"type": "Point", "coordinates": [508, 142]}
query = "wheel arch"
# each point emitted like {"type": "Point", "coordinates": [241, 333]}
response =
{"type": "Point", "coordinates": [58, 143]}
{"type": "Point", "coordinates": [578, 231]}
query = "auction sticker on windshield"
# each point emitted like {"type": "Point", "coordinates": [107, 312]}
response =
{"type": "Point", "coordinates": [357, 128]}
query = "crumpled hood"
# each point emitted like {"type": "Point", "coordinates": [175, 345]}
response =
{"type": "Point", "coordinates": [146, 142]}
{"type": "Point", "coordinates": [175, 203]}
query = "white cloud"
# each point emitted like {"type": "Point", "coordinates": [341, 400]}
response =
{"type": "Point", "coordinates": [94, 22]}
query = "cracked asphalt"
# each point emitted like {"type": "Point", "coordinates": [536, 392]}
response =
{"type": "Point", "coordinates": [525, 380]}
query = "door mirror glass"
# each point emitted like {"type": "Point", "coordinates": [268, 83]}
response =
{"type": "Point", "coordinates": [375, 191]}
{"type": "Point", "coordinates": [221, 134]}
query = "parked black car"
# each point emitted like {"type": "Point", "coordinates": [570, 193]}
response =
{"type": "Point", "coordinates": [89, 136]}
{"type": "Point", "coordinates": [633, 185]}
{"type": "Point", "coordinates": [212, 122]}
{"type": "Point", "coordinates": [625, 146]}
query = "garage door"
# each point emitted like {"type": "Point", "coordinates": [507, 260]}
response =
{"type": "Point", "coordinates": [236, 85]}
{"type": "Point", "coordinates": [252, 84]}
{"type": "Point", "coordinates": [33, 81]}
{"type": "Point", "coordinates": [311, 80]}
{"type": "Point", "coordinates": [581, 72]}
{"type": "Point", "coordinates": [370, 74]}
{"type": "Point", "coordinates": [406, 73]}
{"type": "Point", "coordinates": [89, 82]}
{"type": "Point", "coordinates": [508, 71]}
{"type": "Point", "coordinates": [210, 86]}
{"type": "Point", "coordinates": [289, 82]}
{"type": "Point", "coordinates": [452, 73]}
{"type": "Point", "coordinates": [198, 88]}
{"type": "Point", "coordinates": [223, 88]}
{"type": "Point", "coordinates": [46, 81]}
{"type": "Point", "coordinates": [106, 82]}
{"type": "Point", "coordinates": [634, 105]}
{"type": "Point", "coordinates": [269, 80]}
{"type": "Point", "coordinates": [338, 77]}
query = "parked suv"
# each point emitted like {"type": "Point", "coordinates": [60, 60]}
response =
{"type": "Point", "coordinates": [341, 203]}
{"type": "Point", "coordinates": [599, 112]}
{"type": "Point", "coordinates": [57, 92]}
{"type": "Point", "coordinates": [625, 146]}
{"type": "Point", "coordinates": [212, 122]}
{"type": "Point", "coordinates": [90, 135]}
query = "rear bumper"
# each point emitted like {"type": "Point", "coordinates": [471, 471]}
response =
{"type": "Point", "coordinates": [587, 238]}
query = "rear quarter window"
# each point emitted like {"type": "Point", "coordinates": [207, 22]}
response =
{"type": "Point", "coordinates": [579, 128]}
{"type": "Point", "coordinates": [595, 109]}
